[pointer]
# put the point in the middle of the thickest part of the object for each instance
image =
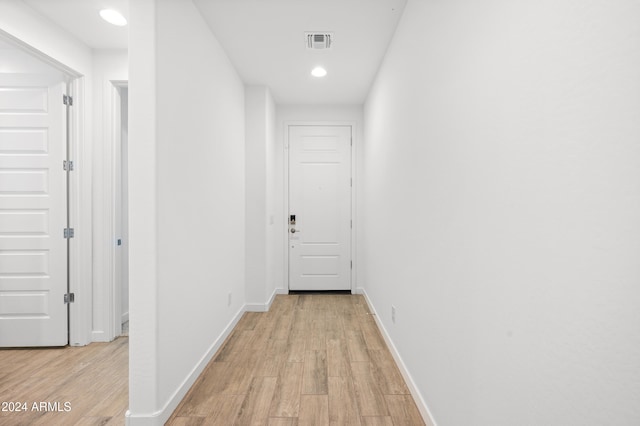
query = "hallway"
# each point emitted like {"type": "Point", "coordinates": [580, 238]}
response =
{"type": "Point", "coordinates": [495, 196]}
{"type": "Point", "coordinates": [313, 359]}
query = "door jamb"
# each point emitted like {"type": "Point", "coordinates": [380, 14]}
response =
{"type": "Point", "coordinates": [80, 216]}
{"type": "Point", "coordinates": [354, 145]}
{"type": "Point", "coordinates": [113, 125]}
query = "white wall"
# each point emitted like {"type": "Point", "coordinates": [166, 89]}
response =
{"type": "Point", "coordinates": [259, 142]}
{"type": "Point", "coordinates": [187, 202]}
{"type": "Point", "coordinates": [501, 199]}
{"type": "Point", "coordinates": [274, 282]}
{"type": "Point", "coordinates": [108, 66]}
{"type": "Point", "coordinates": [144, 405]}
{"type": "Point", "coordinates": [23, 23]}
{"type": "Point", "coordinates": [290, 114]}
{"type": "Point", "coordinates": [16, 61]}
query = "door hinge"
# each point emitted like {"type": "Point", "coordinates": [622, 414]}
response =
{"type": "Point", "coordinates": [352, 264]}
{"type": "Point", "coordinates": [68, 232]}
{"type": "Point", "coordinates": [351, 226]}
{"type": "Point", "coordinates": [69, 298]}
{"type": "Point", "coordinates": [67, 165]}
{"type": "Point", "coordinates": [351, 182]}
{"type": "Point", "coordinates": [67, 100]}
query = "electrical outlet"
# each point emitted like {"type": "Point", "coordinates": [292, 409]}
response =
{"type": "Point", "coordinates": [393, 314]}
{"type": "Point", "coordinates": [229, 299]}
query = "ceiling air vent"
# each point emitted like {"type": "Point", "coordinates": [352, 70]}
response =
{"type": "Point", "coordinates": [319, 41]}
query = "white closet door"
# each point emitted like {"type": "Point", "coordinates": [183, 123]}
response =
{"type": "Point", "coordinates": [33, 206]}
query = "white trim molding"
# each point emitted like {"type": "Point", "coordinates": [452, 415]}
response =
{"type": "Point", "coordinates": [413, 389]}
{"type": "Point", "coordinates": [80, 215]}
{"type": "Point", "coordinates": [159, 418]}
{"type": "Point", "coordinates": [264, 307]}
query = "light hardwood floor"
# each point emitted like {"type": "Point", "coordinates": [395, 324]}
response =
{"type": "Point", "coordinates": [93, 380]}
{"type": "Point", "coordinates": [313, 359]}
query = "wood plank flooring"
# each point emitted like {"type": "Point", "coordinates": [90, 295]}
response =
{"type": "Point", "coordinates": [313, 359]}
{"type": "Point", "coordinates": [93, 380]}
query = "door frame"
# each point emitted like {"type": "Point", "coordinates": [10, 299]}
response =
{"type": "Point", "coordinates": [106, 284]}
{"type": "Point", "coordinates": [79, 199]}
{"type": "Point", "coordinates": [113, 126]}
{"type": "Point", "coordinates": [285, 222]}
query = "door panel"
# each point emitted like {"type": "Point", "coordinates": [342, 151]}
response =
{"type": "Point", "coordinates": [320, 199]}
{"type": "Point", "coordinates": [33, 252]}
{"type": "Point", "coordinates": [23, 100]}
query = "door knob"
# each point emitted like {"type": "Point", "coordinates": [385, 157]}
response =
{"type": "Point", "coordinates": [293, 230]}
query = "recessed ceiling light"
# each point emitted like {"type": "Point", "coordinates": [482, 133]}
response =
{"type": "Point", "coordinates": [113, 17]}
{"type": "Point", "coordinates": [318, 72]}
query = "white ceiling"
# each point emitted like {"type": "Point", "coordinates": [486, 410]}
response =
{"type": "Point", "coordinates": [265, 40]}
{"type": "Point", "coordinates": [81, 18]}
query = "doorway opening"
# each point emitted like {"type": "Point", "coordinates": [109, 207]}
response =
{"type": "Point", "coordinates": [39, 201]}
{"type": "Point", "coordinates": [121, 208]}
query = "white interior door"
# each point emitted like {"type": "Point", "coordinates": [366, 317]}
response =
{"type": "Point", "coordinates": [319, 208]}
{"type": "Point", "coordinates": [33, 213]}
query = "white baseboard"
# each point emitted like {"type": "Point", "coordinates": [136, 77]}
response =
{"type": "Point", "coordinates": [102, 336]}
{"type": "Point", "coordinates": [99, 336]}
{"type": "Point", "coordinates": [160, 417]}
{"type": "Point", "coordinates": [256, 307]}
{"type": "Point", "coordinates": [264, 307]}
{"type": "Point", "coordinates": [415, 393]}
